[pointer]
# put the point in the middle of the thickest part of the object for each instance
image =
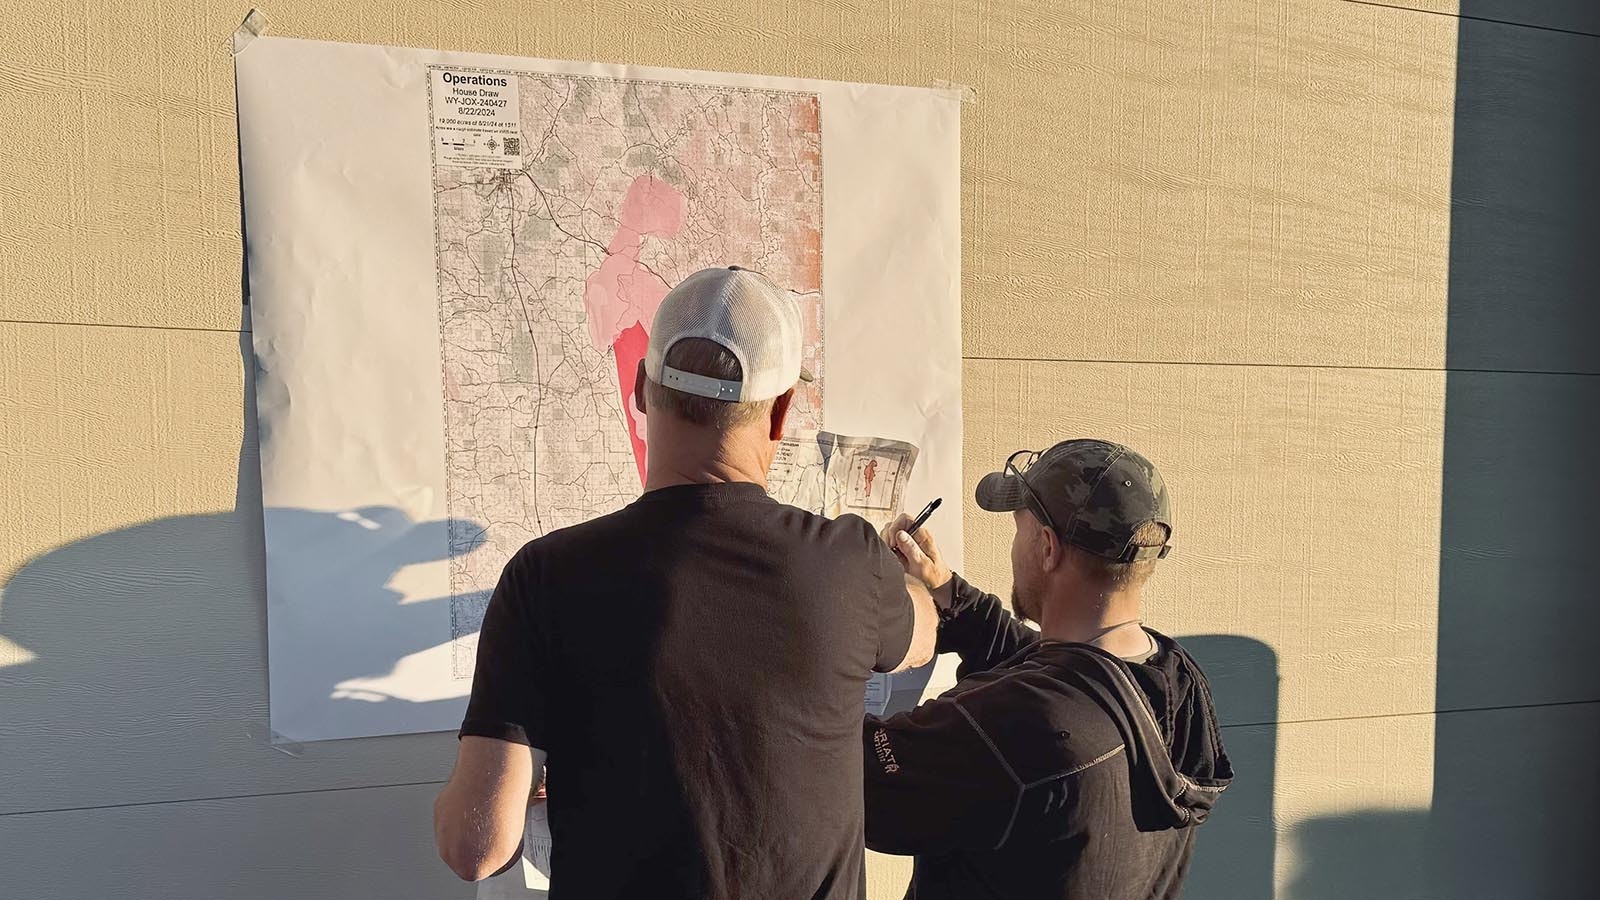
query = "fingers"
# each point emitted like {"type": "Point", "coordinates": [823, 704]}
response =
{"type": "Point", "coordinates": [900, 525]}
{"type": "Point", "coordinates": [918, 554]}
{"type": "Point", "coordinates": [910, 549]}
{"type": "Point", "coordinates": [890, 530]}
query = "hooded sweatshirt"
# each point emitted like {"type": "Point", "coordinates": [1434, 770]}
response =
{"type": "Point", "coordinates": [1051, 770]}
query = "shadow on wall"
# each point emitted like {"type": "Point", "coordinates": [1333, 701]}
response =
{"type": "Point", "coordinates": [172, 610]}
{"type": "Point", "coordinates": [161, 623]}
{"type": "Point", "coordinates": [368, 626]}
{"type": "Point", "coordinates": [145, 649]}
{"type": "Point", "coordinates": [1514, 781]}
{"type": "Point", "coordinates": [1237, 847]}
{"type": "Point", "coordinates": [1512, 817]}
{"type": "Point", "coordinates": [1377, 854]}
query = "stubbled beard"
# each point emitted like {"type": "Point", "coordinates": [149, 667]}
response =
{"type": "Point", "coordinates": [1020, 609]}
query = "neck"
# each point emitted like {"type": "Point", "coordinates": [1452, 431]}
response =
{"type": "Point", "coordinates": [683, 453]}
{"type": "Point", "coordinates": [1076, 618]}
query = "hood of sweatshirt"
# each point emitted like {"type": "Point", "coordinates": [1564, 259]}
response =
{"type": "Point", "coordinates": [1164, 711]}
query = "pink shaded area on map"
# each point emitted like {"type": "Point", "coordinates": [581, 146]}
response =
{"type": "Point", "coordinates": [621, 297]}
{"type": "Point", "coordinates": [630, 347]}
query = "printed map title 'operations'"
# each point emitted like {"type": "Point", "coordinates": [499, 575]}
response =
{"type": "Point", "coordinates": [488, 80]}
{"type": "Point", "coordinates": [477, 118]}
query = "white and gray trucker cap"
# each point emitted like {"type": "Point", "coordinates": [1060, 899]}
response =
{"type": "Point", "coordinates": [754, 319]}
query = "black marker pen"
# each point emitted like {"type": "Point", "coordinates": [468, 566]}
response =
{"type": "Point", "coordinates": [922, 517]}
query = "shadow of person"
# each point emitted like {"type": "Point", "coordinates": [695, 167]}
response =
{"type": "Point", "coordinates": [1235, 853]}
{"type": "Point", "coordinates": [344, 625]}
{"type": "Point", "coordinates": [1364, 853]}
{"type": "Point", "coordinates": [134, 628]}
{"type": "Point", "coordinates": [150, 638]}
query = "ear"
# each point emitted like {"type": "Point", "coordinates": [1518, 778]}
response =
{"type": "Point", "coordinates": [780, 412]}
{"type": "Point", "coordinates": [638, 388]}
{"type": "Point", "coordinates": [1053, 553]}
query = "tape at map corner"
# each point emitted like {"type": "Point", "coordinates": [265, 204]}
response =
{"type": "Point", "coordinates": [276, 741]}
{"type": "Point", "coordinates": [965, 93]}
{"type": "Point", "coordinates": [255, 24]}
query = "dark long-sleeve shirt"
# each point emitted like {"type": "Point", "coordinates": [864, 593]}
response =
{"type": "Point", "coordinates": [1051, 770]}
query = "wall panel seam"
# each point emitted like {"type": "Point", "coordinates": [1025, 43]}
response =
{"type": "Point", "coordinates": [1407, 715]}
{"type": "Point", "coordinates": [1472, 18]}
{"type": "Point", "coordinates": [403, 784]}
{"type": "Point", "coordinates": [224, 797]}
{"type": "Point", "coordinates": [1263, 365]}
{"type": "Point", "coordinates": [199, 328]}
{"type": "Point", "coordinates": [1562, 373]}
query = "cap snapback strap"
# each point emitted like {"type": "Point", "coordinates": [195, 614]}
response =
{"type": "Point", "coordinates": [1137, 554]}
{"type": "Point", "coordinates": [701, 385]}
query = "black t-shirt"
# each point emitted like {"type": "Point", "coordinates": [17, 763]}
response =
{"type": "Point", "coordinates": [694, 667]}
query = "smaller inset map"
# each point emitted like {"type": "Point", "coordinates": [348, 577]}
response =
{"type": "Point", "coordinates": [833, 474]}
{"type": "Point", "coordinates": [875, 480]}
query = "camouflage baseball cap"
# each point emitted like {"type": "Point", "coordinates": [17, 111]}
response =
{"type": "Point", "coordinates": [1095, 495]}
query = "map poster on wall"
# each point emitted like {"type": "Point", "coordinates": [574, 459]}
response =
{"type": "Point", "coordinates": [455, 260]}
{"type": "Point", "coordinates": [633, 185]}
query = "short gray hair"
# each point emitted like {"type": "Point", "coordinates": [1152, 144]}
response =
{"type": "Point", "coordinates": [699, 356]}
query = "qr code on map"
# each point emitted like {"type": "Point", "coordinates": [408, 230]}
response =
{"type": "Point", "coordinates": [513, 146]}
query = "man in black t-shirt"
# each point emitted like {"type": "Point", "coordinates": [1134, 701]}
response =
{"type": "Point", "coordinates": [691, 666]}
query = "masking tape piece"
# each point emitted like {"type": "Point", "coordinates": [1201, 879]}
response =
{"type": "Point", "coordinates": [966, 93]}
{"type": "Point", "coordinates": [255, 24]}
{"type": "Point", "coordinates": [284, 745]}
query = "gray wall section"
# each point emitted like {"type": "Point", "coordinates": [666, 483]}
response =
{"type": "Point", "coordinates": [1519, 577]}
{"type": "Point", "coordinates": [1519, 582]}
{"type": "Point", "coordinates": [316, 845]}
{"type": "Point", "coordinates": [1524, 200]}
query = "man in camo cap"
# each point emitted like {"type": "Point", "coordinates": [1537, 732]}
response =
{"type": "Point", "coordinates": [1070, 762]}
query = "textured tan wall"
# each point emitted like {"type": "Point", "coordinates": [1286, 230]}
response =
{"type": "Point", "coordinates": [1217, 230]}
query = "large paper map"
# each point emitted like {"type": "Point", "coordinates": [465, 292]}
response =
{"type": "Point", "coordinates": [564, 213]}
